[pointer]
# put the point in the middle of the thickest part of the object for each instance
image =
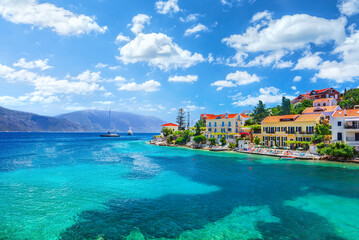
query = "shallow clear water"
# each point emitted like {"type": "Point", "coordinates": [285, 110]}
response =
{"type": "Point", "coordinates": [81, 186]}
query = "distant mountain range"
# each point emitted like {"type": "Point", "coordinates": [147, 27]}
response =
{"type": "Point", "coordinates": [80, 121]}
{"type": "Point", "coordinates": [97, 120]}
{"type": "Point", "coordinates": [17, 121]}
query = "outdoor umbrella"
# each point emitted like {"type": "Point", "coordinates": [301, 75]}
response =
{"type": "Point", "coordinates": [300, 148]}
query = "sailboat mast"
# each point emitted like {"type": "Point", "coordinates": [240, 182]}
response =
{"type": "Point", "coordinates": [109, 119]}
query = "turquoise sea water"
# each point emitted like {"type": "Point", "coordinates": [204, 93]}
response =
{"type": "Point", "coordinates": [81, 186]}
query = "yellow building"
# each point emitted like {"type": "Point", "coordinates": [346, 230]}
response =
{"type": "Point", "coordinates": [277, 130]}
{"type": "Point", "coordinates": [226, 125]}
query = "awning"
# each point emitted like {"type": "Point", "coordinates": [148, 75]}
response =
{"type": "Point", "coordinates": [352, 120]}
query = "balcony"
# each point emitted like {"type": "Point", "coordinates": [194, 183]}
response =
{"type": "Point", "coordinates": [351, 126]}
{"type": "Point", "coordinates": [352, 139]}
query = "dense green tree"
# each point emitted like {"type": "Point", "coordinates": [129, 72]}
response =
{"type": "Point", "coordinates": [249, 122]}
{"type": "Point", "coordinates": [275, 111]}
{"type": "Point", "coordinates": [201, 123]}
{"type": "Point", "coordinates": [200, 139]}
{"type": "Point", "coordinates": [181, 119]}
{"type": "Point", "coordinates": [350, 99]}
{"type": "Point", "coordinates": [197, 129]}
{"type": "Point", "coordinates": [286, 106]}
{"type": "Point", "coordinates": [212, 141]}
{"type": "Point", "coordinates": [298, 108]}
{"type": "Point", "coordinates": [337, 149]}
{"type": "Point", "coordinates": [260, 112]}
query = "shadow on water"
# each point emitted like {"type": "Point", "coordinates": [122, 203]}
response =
{"type": "Point", "coordinates": [171, 215]}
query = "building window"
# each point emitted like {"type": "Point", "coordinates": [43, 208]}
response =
{"type": "Point", "coordinates": [229, 124]}
{"type": "Point", "coordinates": [278, 129]}
{"type": "Point", "coordinates": [215, 130]}
{"type": "Point", "coordinates": [339, 123]}
{"type": "Point", "coordinates": [284, 139]}
{"type": "Point", "coordinates": [340, 136]}
{"type": "Point", "coordinates": [222, 124]}
{"type": "Point", "coordinates": [310, 129]}
{"type": "Point", "coordinates": [209, 124]}
{"type": "Point", "coordinates": [215, 124]}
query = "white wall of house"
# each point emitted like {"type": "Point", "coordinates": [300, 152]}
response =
{"type": "Point", "coordinates": [173, 128]}
{"type": "Point", "coordinates": [346, 129]}
{"type": "Point", "coordinates": [329, 102]}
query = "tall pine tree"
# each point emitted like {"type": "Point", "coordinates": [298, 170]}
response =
{"type": "Point", "coordinates": [286, 107]}
{"type": "Point", "coordinates": [181, 119]}
{"type": "Point", "coordinates": [260, 112]}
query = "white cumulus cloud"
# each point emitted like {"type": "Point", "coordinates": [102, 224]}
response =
{"type": "Point", "coordinates": [268, 95]}
{"type": "Point", "coordinates": [158, 50]}
{"type": "Point", "coordinates": [198, 28]}
{"type": "Point", "coordinates": [45, 86]}
{"type": "Point", "coordinates": [237, 78]}
{"type": "Point", "coordinates": [186, 79]}
{"type": "Point", "coordinates": [190, 17]}
{"type": "Point", "coordinates": [348, 7]}
{"type": "Point", "coordinates": [166, 7]}
{"type": "Point", "coordinates": [309, 61]}
{"type": "Point", "coordinates": [347, 68]}
{"type": "Point", "coordinates": [122, 38]}
{"type": "Point", "coordinates": [297, 79]}
{"type": "Point", "coordinates": [41, 64]}
{"type": "Point", "coordinates": [291, 32]}
{"type": "Point", "coordinates": [138, 24]}
{"type": "Point", "coordinates": [148, 86]}
{"type": "Point", "coordinates": [47, 15]}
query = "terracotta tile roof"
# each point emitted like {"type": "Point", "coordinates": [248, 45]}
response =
{"type": "Point", "coordinates": [221, 116]}
{"type": "Point", "coordinates": [321, 90]}
{"type": "Point", "coordinates": [323, 100]}
{"type": "Point", "coordinates": [245, 116]}
{"type": "Point", "coordinates": [324, 109]}
{"type": "Point", "coordinates": [348, 113]}
{"type": "Point", "coordinates": [169, 125]}
{"type": "Point", "coordinates": [204, 115]}
{"type": "Point", "coordinates": [308, 117]}
{"type": "Point", "coordinates": [271, 119]}
{"type": "Point", "coordinates": [297, 118]}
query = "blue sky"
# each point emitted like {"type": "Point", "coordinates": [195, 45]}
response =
{"type": "Point", "coordinates": [152, 57]}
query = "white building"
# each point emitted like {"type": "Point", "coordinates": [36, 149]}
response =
{"type": "Point", "coordinates": [327, 111]}
{"type": "Point", "coordinates": [172, 126]}
{"type": "Point", "coordinates": [345, 127]}
{"type": "Point", "coordinates": [325, 102]}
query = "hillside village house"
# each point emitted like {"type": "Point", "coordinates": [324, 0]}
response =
{"type": "Point", "coordinates": [345, 127]}
{"type": "Point", "coordinates": [327, 111]}
{"type": "Point", "coordinates": [227, 124]}
{"type": "Point", "coordinates": [325, 102]}
{"type": "Point", "coordinates": [172, 126]}
{"type": "Point", "coordinates": [277, 130]}
{"type": "Point", "coordinates": [318, 94]}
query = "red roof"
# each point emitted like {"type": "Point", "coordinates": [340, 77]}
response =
{"type": "Point", "coordinates": [245, 116]}
{"type": "Point", "coordinates": [347, 113]}
{"type": "Point", "coordinates": [221, 116]}
{"type": "Point", "coordinates": [321, 90]}
{"type": "Point", "coordinates": [204, 115]}
{"type": "Point", "coordinates": [169, 125]}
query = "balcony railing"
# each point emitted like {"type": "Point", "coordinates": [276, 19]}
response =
{"type": "Point", "coordinates": [347, 126]}
{"type": "Point", "coordinates": [352, 139]}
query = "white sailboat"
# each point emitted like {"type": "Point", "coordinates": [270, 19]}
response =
{"type": "Point", "coordinates": [109, 134]}
{"type": "Point", "coordinates": [130, 133]}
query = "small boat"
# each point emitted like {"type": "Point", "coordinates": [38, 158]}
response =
{"type": "Point", "coordinates": [109, 134]}
{"type": "Point", "coordinates": [130, 133]}
{"type": "Point", "coordinates": [288, 157]}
